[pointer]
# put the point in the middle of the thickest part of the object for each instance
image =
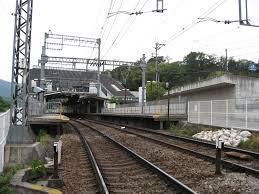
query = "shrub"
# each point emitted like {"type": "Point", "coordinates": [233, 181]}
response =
{"type": "Point", "coordinates": [38, 168]}
{"type": "Point", "coordinates": [42, 137]}
{"type": "Point", "coordinates": [5, 178]}
{"type": "Point", "coordinates": [251, 144]}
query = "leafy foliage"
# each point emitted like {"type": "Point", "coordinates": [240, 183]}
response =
{"type": "Point", "coordinates": [42, 137]}
{"type": "Point", "coordinates": [37, 167]}
{"type": "Point", "coordinates": [155, 90]}
{"type": "Point", "coordinates": [114, 100]}
{"type": "Point", "coordinates": [251, 144]}
{"type": "Point", "coordinates": [4, 105]}
{"type": "Point", "coordinates": [5, 178]}
{"type": "Point", "coordinates": [195, 66]}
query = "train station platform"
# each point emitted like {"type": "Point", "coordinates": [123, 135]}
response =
{"type": "Point", "coordinates": [155, 117]}
{"type": "Point", "coordinates": [153, 121]}
{"type": "Point", "coordinates": [55, 119]}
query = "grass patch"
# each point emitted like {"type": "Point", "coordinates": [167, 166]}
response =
{"type": "Point", "coordinates": [183, 131]}
{"type": "Point", "coordinates": [42, 137]}
{"type": "Point", "coordinates": [251, 144]}
{"type": "Point", "coordinates": [38, 172]}
{"type": "Point", "coordinates": [5, 178]}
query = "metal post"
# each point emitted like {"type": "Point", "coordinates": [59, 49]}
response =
{"type": "Point", "coordinates": [226, 113]}
{"type": "Point", "coordinates": [157, 78]}
{"type": "Point", "coordinates": [43, 62]}
{"type": "Point", "coordinates": [246, 113]}
{"type": "Point", "coordinates": [246, 13]}
{"type": "Point", "coordinates": [226, 50]}
{"type": "Point", "coordinates": [21, 62]}
{"type": "Point", "coordinates": [188, 111]}
{"type": "Point", "coordinates": [55, 174]}
{"type": "Point", "coordinates": [157, 47]}
{"type": "Point", "coordinates": [240, 13]}
{"type": "Point", "coordinates": [199, 104]}
{"type": "Point", "coordinates": [211, 104]}
{"type": "Point", "coordinates": [143, 65]}
{"type": "Point", "coordinates": [99, 65]}
{"type": "Point", "coordinates": [168, 102]}
{"type": "Point", "coordinates": [125, 96]}
{"type": "Point", "coordinates": [219, 147]}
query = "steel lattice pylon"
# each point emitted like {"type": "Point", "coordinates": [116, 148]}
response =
{"type": "Point", "coordinates": [21, 61]}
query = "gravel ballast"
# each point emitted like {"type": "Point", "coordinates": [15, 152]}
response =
{"type": "Point", "coordinates": [196, 173]}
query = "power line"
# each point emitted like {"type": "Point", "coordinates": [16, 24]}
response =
{"type": "Point", "coordinates": [126, 30]}
{"type": "Point", "coordinates": [194, 22]}
{"type": "Point", "coordinates": [103, 28]}
{"type": "Point", "coordinates": [115, 18]}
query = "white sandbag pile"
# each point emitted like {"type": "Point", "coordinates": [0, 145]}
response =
{"type": "Point", "coordinates": [229, 137]}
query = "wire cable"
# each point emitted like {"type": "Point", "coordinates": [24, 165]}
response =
{"type": "Point", "coordinates": [111, 27]}
{"type": "Point", "coordinates": [195, 21]}
{"type": "Point", "coordinates": [123, 27]}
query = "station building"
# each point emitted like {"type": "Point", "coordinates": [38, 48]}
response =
{"type": "Point", "coordinates": [77, 89]}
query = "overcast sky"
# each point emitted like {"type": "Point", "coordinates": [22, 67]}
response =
{"type": "Point", "coordinates": [127, 37]}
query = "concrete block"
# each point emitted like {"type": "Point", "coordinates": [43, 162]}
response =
{"type": "Point", "coordinates": [22, 153]}
{"type": "Point", "coordinates": [27, 188]}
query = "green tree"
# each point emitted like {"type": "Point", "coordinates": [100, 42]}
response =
{"type": "Point", "coordinates": [195, 66]}
{"type": "Point", "coordinates": [4, 105]}
{"type": "Point", "coordinates": [155, 90]}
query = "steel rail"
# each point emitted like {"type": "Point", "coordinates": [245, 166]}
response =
{"type": "Point", "coordinates": [225, 163]}
{"type": "Point", "coordinates": [187, 139]}
{"type": "Point", "coordinates": [101, 183]}
{"type": "Point", "coordinates": [170, 179]}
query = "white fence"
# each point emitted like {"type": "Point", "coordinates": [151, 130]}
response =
{"type": "Point", "coordinates": [4, 128]}
{"type": "Point", "coordinates": [240, 113]}
{"type": "Point", "coordinates": [151, 108]}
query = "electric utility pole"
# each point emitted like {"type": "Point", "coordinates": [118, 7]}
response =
{"type": "Point", "coordinates": [143, 65]}
{"type": "Point", "coordinates": [226, 50]}
{"type": "Point", "coordinates": [20, 71]}
{"type": "Point", "coordinates": [157, 47]}
{"type": "Point", "coordinates": [99, 66]}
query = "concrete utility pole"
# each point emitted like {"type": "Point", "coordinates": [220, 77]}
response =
{"type": "Point", "coordinates": [157, 47]}
{"type": "Point", "coordinates": [43, 61]}
{"type": "Point", "coordinates": [143, 65]}
{"type": "Point", "coordinates": [226, 59]}
{"type": "Point", "coordinates": [99, 66]}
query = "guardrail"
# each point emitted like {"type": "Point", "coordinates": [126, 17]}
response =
{"type": "Point", "coordinates": [4, 129]}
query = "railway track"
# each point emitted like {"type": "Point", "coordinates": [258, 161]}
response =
{"type": "Point", "coordinates": [204, 150]}
{"type": "Point", "coordinates": [120, 170]}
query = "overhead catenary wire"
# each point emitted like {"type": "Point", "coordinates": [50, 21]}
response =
{"type": "Point", "coordinates": [124, 27]}
{"type": "Point", "coordinates": [195, 21]}
{"type": "Point", "coordinates": [104, 25]}
{"type": "Point", "coordinates": [103, 28]}
{"type": "Point", "coordinates": [111, 27]}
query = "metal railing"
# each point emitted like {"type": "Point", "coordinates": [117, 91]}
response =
{"type": "Point", "coordinates": [4, 129]}
{"type": "Point", "coordinates": [37, 108]}
{"type": "Point", "coordinates": [150, 108]}
{"type": "Point", "coordinates": [240, 113]}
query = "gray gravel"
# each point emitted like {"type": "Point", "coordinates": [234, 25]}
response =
{"type": "Point", "coordinates": [196, 173]}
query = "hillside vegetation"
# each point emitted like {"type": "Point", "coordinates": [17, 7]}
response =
{"type": "Point", "coordinates": [195, 66]}
{"type": "Point", "coordinates": [4, 105]}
